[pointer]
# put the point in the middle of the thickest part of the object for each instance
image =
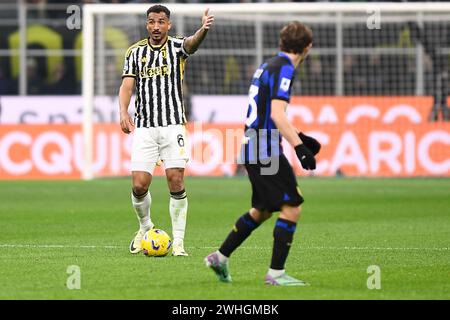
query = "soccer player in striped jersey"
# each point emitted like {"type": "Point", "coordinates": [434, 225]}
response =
{"type": "Point", "coordinates": [273, 181]}
{"type": "Point", "coordinates": [154, 68]}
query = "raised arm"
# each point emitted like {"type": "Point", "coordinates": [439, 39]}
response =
{"type": "Point", "coordinates": [192, 43]}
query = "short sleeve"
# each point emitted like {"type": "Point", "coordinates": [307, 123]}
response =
{"type": "Point", "coordinates": [183, 50]}
{"type": "Point", "coordinates": [179, 47]}
{"type": "Point", "coordinates": [129, 65]}
{"type": "Point", "coordinates": [281, 83]}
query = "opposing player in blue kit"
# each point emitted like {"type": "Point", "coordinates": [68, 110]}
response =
{"type": "Point", "coordinates": [274, 185]}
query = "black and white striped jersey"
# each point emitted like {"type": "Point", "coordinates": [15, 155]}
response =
{"type": "Point", "coordinates": [159, 73]}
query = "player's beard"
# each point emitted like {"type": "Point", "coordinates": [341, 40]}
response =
{"type": "Point", "coordinates": [158, 38]}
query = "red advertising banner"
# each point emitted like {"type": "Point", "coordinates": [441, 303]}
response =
{"type": "Point", "coordinates": [361, 136]}
{"type": "Point", "coordinates": [393, 149]}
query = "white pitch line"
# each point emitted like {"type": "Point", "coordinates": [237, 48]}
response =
{"type": "Point", "coordinates": [379, 248]}
{"type": "Point", "coordinates": [346, 248]}
{"type": "Point", "coordinates": [58, 246]}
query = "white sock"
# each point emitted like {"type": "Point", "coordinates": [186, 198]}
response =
{"type": "Point", "coordinates": [142, 208]}
{"type": "Point", "coordinates": [222, 258]}
{"type": "Point", "coordinates": [275, 273]}
{"type": "Point", "coordinates": [178, 212]}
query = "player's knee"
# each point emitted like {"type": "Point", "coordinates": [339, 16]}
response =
{"type": "Point", "coordinates": [176, 181]}
{"type": "Point", "coordinates": [141, 183]}
{"type": "Point", "coordinates": [260, 216]}
{"type": "Point", "coordinates": [290, 213]}
{"type": "Point", "coordinates": [295, 211]}
{"type": "Point", "coordinates": [139, 189]}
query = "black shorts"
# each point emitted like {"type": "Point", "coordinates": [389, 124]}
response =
{"type": "Point", "coordinates": [272, 191]}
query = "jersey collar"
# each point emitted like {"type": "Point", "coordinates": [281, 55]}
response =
{"type": "Point", "coordinates": [156, 48]}
{"type": "Point", "coordinates": [284, 55]}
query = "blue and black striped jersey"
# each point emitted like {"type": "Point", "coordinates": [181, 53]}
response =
{"type": "Point", "coordinates": [272, 80]}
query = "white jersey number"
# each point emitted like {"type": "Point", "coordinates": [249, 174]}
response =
{"type": "Point", "coordinates": [252, 93]}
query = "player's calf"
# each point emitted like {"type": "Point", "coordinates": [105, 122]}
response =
{"type": "Point", "coordinates": [178, 207]}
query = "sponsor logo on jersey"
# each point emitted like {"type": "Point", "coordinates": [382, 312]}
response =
{"type": "Point", "coordinates": [154, 72]}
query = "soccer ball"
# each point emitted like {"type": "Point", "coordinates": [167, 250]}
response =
{"type": "Point", "coordinates": [156, 243]}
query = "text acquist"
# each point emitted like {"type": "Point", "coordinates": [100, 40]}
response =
{"type": "Point", "coordinates": [219, 309]}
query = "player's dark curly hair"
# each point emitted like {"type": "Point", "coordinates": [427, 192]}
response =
{"type": "Point", "coordinates": [157, 8]}
{"type": "Point", "coordinates": [295, 37]}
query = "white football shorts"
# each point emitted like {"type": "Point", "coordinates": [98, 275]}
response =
{"type": "Point", "coordinates": [168, 144]}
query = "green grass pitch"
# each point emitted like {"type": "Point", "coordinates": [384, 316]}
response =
{"type": "Point", "coordinates": [400, 225]}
